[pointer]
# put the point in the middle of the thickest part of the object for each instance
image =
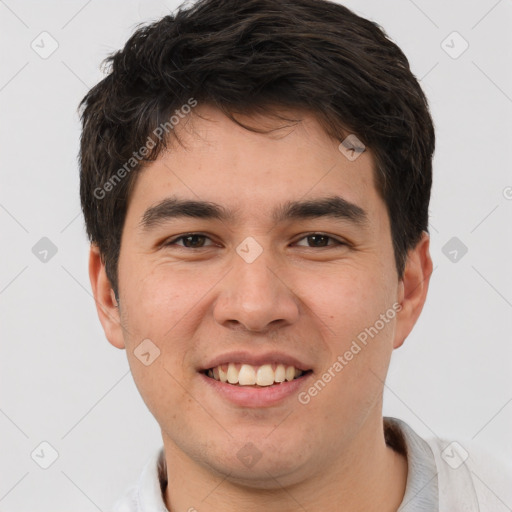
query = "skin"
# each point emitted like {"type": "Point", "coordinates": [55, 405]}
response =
{"type": "Point", "coordinates": [304, 300]}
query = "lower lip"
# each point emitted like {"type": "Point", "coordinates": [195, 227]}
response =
{"type": "Point", "coordinates": [264, 396]}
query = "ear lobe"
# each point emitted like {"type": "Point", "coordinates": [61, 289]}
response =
{"type": "Point", "coordinates": [106, 303]}
{"type": "Point", "coordinates": [413, 288]}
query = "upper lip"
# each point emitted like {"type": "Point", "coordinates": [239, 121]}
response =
{"type": "Point", "coordinates": [253, 359]}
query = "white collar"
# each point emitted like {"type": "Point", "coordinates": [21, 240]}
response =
{"type": "Point", "coordinates": [421, 494]}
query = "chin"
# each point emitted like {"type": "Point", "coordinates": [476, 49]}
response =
{"type": "Point", "coordinates": [263, 475]}
{"type": "Point", "coordinates": [256, 462]}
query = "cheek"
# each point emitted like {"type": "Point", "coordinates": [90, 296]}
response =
{"type": "Point", "coordinates": [161, 300]}
{"type": "Point", "coordinates": [347, 300]}
{"type": "Point", "coordinates": [348, 307]}
{"type": "Point", "coordinates": [158, 304]}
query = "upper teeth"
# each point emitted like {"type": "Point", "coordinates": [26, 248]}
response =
{"type": "Point", "coordinates": [247, 375]}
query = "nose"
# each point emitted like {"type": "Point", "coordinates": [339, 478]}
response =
{"type": "Point", "coordinates": [256, 296]}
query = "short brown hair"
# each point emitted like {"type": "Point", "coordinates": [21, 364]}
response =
{"type": "Point", "coordinates": [244, 56]}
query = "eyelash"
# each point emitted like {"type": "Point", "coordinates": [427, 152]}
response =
{"type": "Point", "coordinates": [173, 241]}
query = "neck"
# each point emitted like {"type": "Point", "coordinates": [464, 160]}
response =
{"type": "Point", "coordinates": [369, 476]}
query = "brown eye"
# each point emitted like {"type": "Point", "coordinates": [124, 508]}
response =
{"type": "Point", "coordinates": [189, 241]}
{"type": "Point", "coordinates": [320, 240]}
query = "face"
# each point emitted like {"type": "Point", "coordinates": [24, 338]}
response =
{"type": "Point", "coordinates": [287, 261]}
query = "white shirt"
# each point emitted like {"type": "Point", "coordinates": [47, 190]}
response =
{"type": "Point", "coordinates": [442, 476]}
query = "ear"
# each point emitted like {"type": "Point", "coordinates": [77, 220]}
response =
{"type": "Point", "coordinates": [413, 288]}
{"type": "Point", "coordinates": [106, 304]}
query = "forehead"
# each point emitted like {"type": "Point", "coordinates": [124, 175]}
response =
{"type": "Point", "coordinates": [252, 173]}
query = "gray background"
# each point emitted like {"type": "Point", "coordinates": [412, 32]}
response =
{"type": "Point", "coordinates": [63, 383]}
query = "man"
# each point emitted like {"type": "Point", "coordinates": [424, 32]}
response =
{"type": "Point", "coordinates": [255, 180]}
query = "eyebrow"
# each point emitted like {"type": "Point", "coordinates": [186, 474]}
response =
{"type": "Point", "coordinates": [333, 206]}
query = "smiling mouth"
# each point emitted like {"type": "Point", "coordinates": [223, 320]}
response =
{"type": "Point", "coordinates": [241, 374]}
